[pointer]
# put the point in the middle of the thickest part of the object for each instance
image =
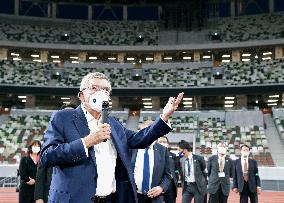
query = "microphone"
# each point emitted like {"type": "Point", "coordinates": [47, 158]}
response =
{"type": "Point", "coordinates": [105, 107]}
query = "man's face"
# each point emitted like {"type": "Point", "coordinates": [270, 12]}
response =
{"type": "Point", "coordinates": [245, 151]}
{"type": "Point", "coordinates": [94, 86]}
{"type": "Point", "coordinates": [163, 141]}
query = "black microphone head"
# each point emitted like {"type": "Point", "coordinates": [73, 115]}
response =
{"type": "Point", "coordinates": [105, 105]}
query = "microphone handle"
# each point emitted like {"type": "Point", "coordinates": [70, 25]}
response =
{"type": "Point", "coordinates": [104, 117]}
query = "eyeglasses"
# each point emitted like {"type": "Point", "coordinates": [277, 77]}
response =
{"type": "Point", "coordinates": [98, 88]}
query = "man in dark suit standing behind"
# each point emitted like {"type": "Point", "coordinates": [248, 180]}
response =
{"type": "Point", "coordinates": [220, 170]}
{"type": "Point", "coordinates": [246, 178]}
{"type": "Point", "coordinates": [193, 174]}
{"type": "Point", "coordinates": [151, 173]}
{"type": "Point", "coordinates": [171, 194]}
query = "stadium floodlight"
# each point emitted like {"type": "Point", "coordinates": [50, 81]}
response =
{"type": "Point", "coordinates": [256, 101]}
{"type": "Point", "coordinates": [274, 96]}
{"type": "Point", "coordinates": [229, 98]}
{"type": "Point", "coordinates": [228, 105]}
{"type": "Point", "coordinates": [245, 60]}
{"type": "Point", "coordinates": [35, 55]}
{"type": "Point", "coordinates": [246, 54]}
{"type": "Point", "coordinates": [168, 58]}
{"type": "Point", "coordinates": [64, 98]}
{"type": "Point", "coordinates": [267, 53]}
{"type": "Point", "coordinates": [148, 107]}
{"type": "Point", "coordinates": [15, 54]}
{"type": "Point", "coordinates": [187, 102]}
{"type": "Point", "coordinates": [24, 101]}
{"type": "Point", "coordinates": [186, 57]}
{"type": "Point", "coordinates": [187, 99]}
{"type": "Point", "coordinates": [36, 60]}
{"type": "Point", "coordinates": [266, 58]}
{"type": "Point", "coordinates": [56, 61]}
{"type": "Point", "coordinates": [93, 58]}
{"type": "Point", "coordinates": [272, 104]}
{"type": "Point", "coordinates": [130, 59]}
{"type": "Point", "coordinates": [17, 59]}
{"type": "Point", "coordinates": [226, 56]}
{"type": "Point", "coordinates": [111, 58]}
{"type": "Point", "coordinates": [55, 57]}
{"type": "Point", "coordinates": [229, 102]}
{"type": "Point", "coordinates": [149, 59]}
{"type": "Point", "coordinates": [187, 106]}
{"type": "Point", "coordinates": [147, 103]}
{"type": "Point", "coordinates": [206, 57]}
{"type": "Point", "coordinates": [74, 57]}
{"type": "Point", "coordinates": [66, 102]}
{"type": "Point", "coordinates": [22, 97]}
{"type": "Point", "coordinates": [146, 99]}
{"type": "Point", "coordinates": [272, 100]}
{"type": "Point", "coordinates": [74, 61]}
{"type": "Point", "coordinates": [226, 61]}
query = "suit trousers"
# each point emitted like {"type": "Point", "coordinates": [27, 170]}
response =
{"type": "Point", "coordinates": [143, 198]}
{"type": "Point", "coordinates": [246, 193]}
{"type": "Point", "coordinates": [218, 197]}
{"type": "Point", "coordinates": [190, 191]}
{"type": "Point", "coordinates": [171, 194]}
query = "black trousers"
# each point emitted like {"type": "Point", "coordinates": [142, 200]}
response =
{"type": "Point", "coordinates": [171, 194]}
{"type": "Point", "coordinates": [246, 193]}
{"type": "Point", "coordinates": [190, 191]}
{"type": "Point", "coordinates": [143, 198]}
{"type": "Point", "coordinates": [218, 197]}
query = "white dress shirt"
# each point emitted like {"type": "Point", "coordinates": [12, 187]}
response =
{"type": "Point", "coordinates": [243, 163]}
{"type": "Point", "coordinates": [139, 165]}
{"type": "Point", "coordinates": [191, 178]}
{"type": "Point", "coordinates": [106, 155]}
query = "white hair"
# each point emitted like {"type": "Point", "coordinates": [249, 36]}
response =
{"type": "Point", "coordinates": [85, 83]}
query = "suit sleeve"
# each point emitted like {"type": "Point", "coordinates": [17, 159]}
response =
{"type": "Point", "coordinates": [235, 177]}
{"type": "Point", "coordinates": [56, 152]}
{"type": "Point", "coordinates": [203, 167]}
{"type": "Point", "coordinates": [166, 179]}
{"type": "Point", "coordinates": [176, 166]}
{"type": "Point", "coordinates": [146, 136]}
{"type": "Point", "coordinates": [40, 183]}
{"type": "Point", "coordinates": [23, 170]}
{"type": "Point", "coordinates": [257, 179]}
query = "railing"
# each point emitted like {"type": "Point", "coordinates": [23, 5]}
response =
{"type": "Point", "coordinates": [9, 182]}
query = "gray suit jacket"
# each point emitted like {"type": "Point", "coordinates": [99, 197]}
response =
{"type": "Point", "coordinates": [200, 174]}
{"type": "Point", "coordinates": [214, 179]}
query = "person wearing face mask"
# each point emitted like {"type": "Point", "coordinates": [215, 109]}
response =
{"type": "Point", "coordinates": [171, 194]}
{"type": "Point", "coordinates": [246, 178]}
{"type": "Point", "coordinates": [193, 174]}
{"type": "Point", "coordinates": [91, 160]}
{"type": "Point", "coordinates": [151, 173]}
{"type": "Point", "coordinates": [220, 169]}
{"type": "Point", "coordinates": [27, 170]}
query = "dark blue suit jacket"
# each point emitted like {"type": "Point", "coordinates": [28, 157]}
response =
{"type": "Point", "coordinates": [161, 171]}
{"type": "Point", "coordinates": [253, 181]}
{"type": "Point", "coordinates": [74, 177]}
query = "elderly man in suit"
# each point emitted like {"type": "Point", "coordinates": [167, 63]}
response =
{"type": "Point", "coordinates": [171, 194]}
{"type": "Point", "coordinates": [91, 160]}
{"type": "Point", "coordinates": [193, 174]}
{"type": "Point", "coordinates": [151, 173]}
{"type": "Point", "coordinates": [220, 170]}
{"type": "Point", "coordinates": [246, 178]}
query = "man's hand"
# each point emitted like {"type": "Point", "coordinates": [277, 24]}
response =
{"type": "Point", "coordinates": [235, 190]}
{"type": "Point", "coordinates": [258, 190]}
{"type": "Point", "coordinates": [171, 106]}
{"type": "Point", "coordinates": [31, 181]}
{"type": "Point", "coordinates": [103, 132]}
{"type": "Point", "coordinates": [39, 201]}
{"type": "Point", "coordinates": [155, 191]}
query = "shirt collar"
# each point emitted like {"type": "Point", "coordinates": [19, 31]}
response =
{"type": "Point", "coordinates": [88, 116]}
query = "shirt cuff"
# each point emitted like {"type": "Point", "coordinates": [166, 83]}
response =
{"type": "Point", "coordinates": [168, 123]}
{"type": "Point", "coordinates": [84, 144]}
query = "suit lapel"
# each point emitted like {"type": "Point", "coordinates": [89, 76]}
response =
{"type": "Point", "coordinates": [157, 158]}
{"type": "Point", "coordinates": [133, 156]}
{"type": "Point", "coordinates": [239, 165]}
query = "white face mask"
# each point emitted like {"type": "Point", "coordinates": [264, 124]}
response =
{"type": "Point", "coordinates": [96, 100]}
{"type": "Point", "coordinates": [35, 149]}
{"type": "Point", "coordinates": [222, 150]}
{"type": "Point", "coordinates": [164, 144]}
{"type": "Point", "coordinates": [245, 154]}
